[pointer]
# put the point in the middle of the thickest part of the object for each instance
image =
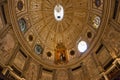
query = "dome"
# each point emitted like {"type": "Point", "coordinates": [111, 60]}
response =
{"type": "Point", "coordinates": [53, 24]}
{"type": "Point", "coordinates": [49, 39]}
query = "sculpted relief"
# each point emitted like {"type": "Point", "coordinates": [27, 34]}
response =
{"type": "Point", "coordinates": [46, 76]}
{"type": "Point", "coordinates": [61, 73]}
{"type": "Point", "coordinates": [32, 71]}
{"type": "Point", "coordinates": [7, 44]}
{"type": "Point", "coordinates": [113, 39]}
{"type": "Point", "coordinates": [20, 60]}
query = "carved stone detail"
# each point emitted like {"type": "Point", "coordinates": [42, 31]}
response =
{"type": "Point", "coordinates": [7, 45]}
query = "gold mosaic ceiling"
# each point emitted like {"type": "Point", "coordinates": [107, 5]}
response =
{"type": "Point", "coordinates": [37, 29]}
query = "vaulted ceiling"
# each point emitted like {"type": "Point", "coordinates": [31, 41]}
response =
{"type": "Point", "coordinates": [49, 39]}
{"type": "Point", "coordinates": [39, 32]}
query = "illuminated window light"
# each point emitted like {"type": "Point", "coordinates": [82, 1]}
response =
{"type": "Point", "coordinates": [82, 46]}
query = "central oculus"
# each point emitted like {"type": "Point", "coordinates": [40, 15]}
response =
{"type": "Point", "coordinates": [58, 12]}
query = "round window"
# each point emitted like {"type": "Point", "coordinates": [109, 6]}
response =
{"type": "Point", "coordinates": [98, 3]}
{"type": "Point", "coordinates": [49, 54]}
{"type": "Point", "coordinates": [38, 49]}
{"type": "Point", "coordinates": [96, 22]}
{"type": "Point", "coordinates": [30, 37]}
{"type": "Point", "coordinates": [82, 46]}
{"type": "Point", "coordinates": [89, 34]}
{"type": "Point", "coordinates": [72, 52]}
{"type": "Point", "coordinates": [22, 24]}
{"type": "Point", "coordinates": [20, 5]}
{"type": "Point", "coordinates": [58, 12]}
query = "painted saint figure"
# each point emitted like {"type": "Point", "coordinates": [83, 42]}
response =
{"type": "Point", "coordinates": [60, 54]}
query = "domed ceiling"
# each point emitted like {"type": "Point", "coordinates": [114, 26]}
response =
{"type": "Point", "coordinates": [50, 30]}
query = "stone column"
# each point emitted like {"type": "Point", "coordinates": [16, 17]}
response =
{"type": "Point", "coordinates": [85, 71]}
{"type": "Point", "coordinates": [40, 72]}
{"type": "Point", "coordinates": [110, 47]}
{"type": "Point", "coordinates": [105, 76]}
{"type": "Point", "coordinates": [70, 76]}
{"type": "Point", "coordinates": [5, 69]}
{"type": "Point", "coordinates": [39, 75]}
{"type": "Point", "coordinates": [54, 75]}
{"type": "Point", "coordinates": [98, 64]}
